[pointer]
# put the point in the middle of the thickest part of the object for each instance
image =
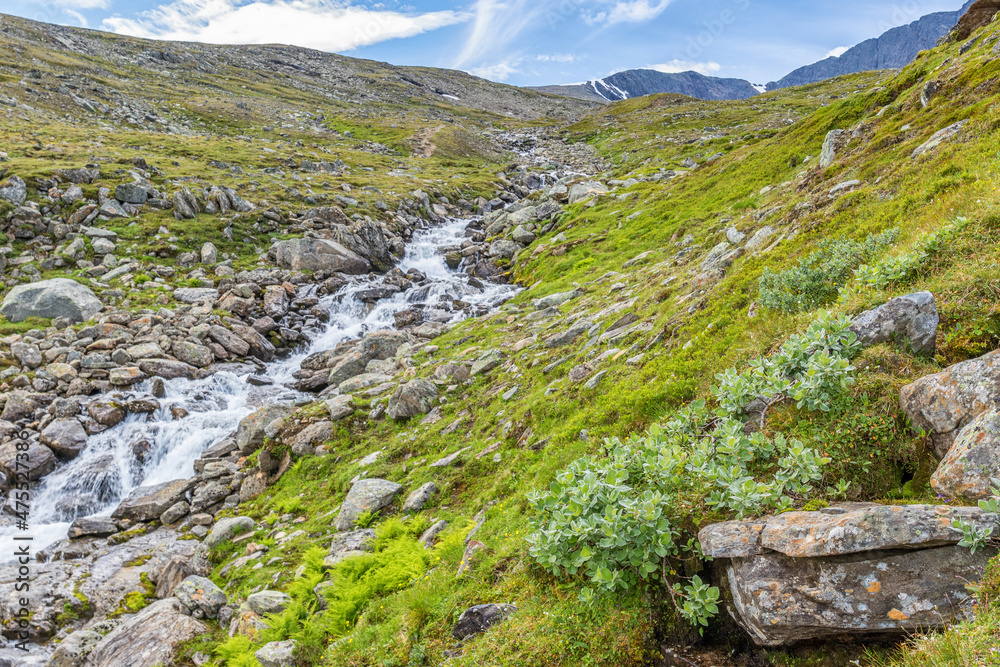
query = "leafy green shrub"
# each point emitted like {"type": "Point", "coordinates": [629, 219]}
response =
{"type": "Point", "coordinates": [977, 538]}
{"type": "Point", "coordinates": [902, 268]}
{"type": "Point", "coordinates": [817, 280]}
{"type": "Point", "coordinates": [619, 519]}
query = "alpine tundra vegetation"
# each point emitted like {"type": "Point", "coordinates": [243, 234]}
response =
{"type": "Point", "coordinates": [309, 360]}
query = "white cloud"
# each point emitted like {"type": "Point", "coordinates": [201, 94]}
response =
{"type": "Point", "coordinates": [329, 25]}
{"type": "Point", "coordinates": [497, 23]}
{"type": "Point", "coordinates": [79, 17]}
{"type": "Point", "coordinates": [837, 52]}
{"type": "Point", "coordinates": [637, 11]}
{"type": "Point", "coordinates": [675, 66]}
{"type": "Point", "coordinates": [497, 72]}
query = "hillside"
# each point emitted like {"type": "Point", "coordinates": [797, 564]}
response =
{"type": "Point", "coordinates": [337, 370]}
{"type": "Point", "coordinates": [639, 82]}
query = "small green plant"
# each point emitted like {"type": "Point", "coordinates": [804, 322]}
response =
{"type": "Point", "coordinates": [973, 537]}
{"type": "Point", "coordinates": [366, 519]}
{"type": "Point", "coordinates": [701, 602]}
{"type": "Point", "coordinates": [818, 279]}
{"type": "Point", "coordinates": [901, 269]}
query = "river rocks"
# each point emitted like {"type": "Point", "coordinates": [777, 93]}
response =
{"type": "Point", "coordinates": [168, 369]}
{"type": "Point", "coordinates": [106, 414]}
{"type": "Point", "coordinates": [231, 342]}
{"type": "Point", "coordinates": [944, 403]}
{"type": "Point", "coordinates": [146, 503]}
{"type": "Point", "coordinates": [910, 320]}
{"type": "Point", "coordinates": [74, 649]}
{"type": "Point", "coordinates": [59, 297]}
{"type": "Point", "coordinates": [27, 355]}
{"type": "Point", "coordinates": [414, 398]}
{"type": "Point", "coordinates": [309, 254]}
{"type": "Point", "coordinates": [277, 654]}
{"type": "Point", "coordinates": [227, 529]}
{"type": "Point", "coordinates": [503, 249]}
{"type": "Point", "coordinates": [366, 239]}
{"type": "Point", "coordinates": [480, 618]}
{"type": "Point", "coordinates": [147, 639]}
{"type": "Point", "coordinates": [125, 376]}
{"type": "Point", "coordinates": [250, 433]}
{"type": "Point", "coordinates": [40, 461]}
{"type": "Point", "coordinates": [195, 355]}
{"type": "Point", "coordinates": [65, 437]}
{"type": "Point", "coordinates": [92, 527]}
{"type": "Point", "coordinates": [973, 462]}
{"type": "Point", "coordinates": [367, 495]}
{"type": "Point", "coordinates": [268, 602]}
{"type": "Point", "coordinates": [854, 569]}
{"type": "Point", "coordinates": [416, 500]}
{"type": "Point", "coordinates": [201, 596]}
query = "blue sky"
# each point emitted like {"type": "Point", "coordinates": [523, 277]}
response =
{"type": "Point", "coordinates": [523, 42]}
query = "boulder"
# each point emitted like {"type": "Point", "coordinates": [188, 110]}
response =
{"type": "Point", "coordinates": [192, 354]}
{"type": "Point", "coordinates": [209, 253]}
{"type": "Point", "coordinates": [416, 397]}
{"type": "Point", "coordinates": [830, 146]}
{"type": "Point", "coordinates": [366, 239]}
{"type": "Point", "coordinates": [979, 14]}
{"type": "Point", "coordinates": [13, 190]}
{"type": "Point", "coordinates": [201, 596]}
{"type": "Point", "coordinates": [416, 500]}
{"type": "Point", "coordinates": [910, 321]}
{"type": "Point", "coordinates": [586, 190]}
{"type": "Point", "coordinates": [194, 295]}
{"type": "Point", "coordinates": [367, 495]}
{"type": "Point", "coordinates": [973, 461]}
{"type": "Point", "coordinates": [852, 569]}
{"type": "Point", "coordinates": [554, 300]}
{"type": "Point", "coordinates": [340, 407]}
{"type": "Point", "coordinates": [147, 503]}
{"type": "Point", "coordinates": [149, 638]}
{"type": "Point", "coordinates": [92, 527]}
{"type": "Point", "coordinates": [781, 600]}
{"type": "Point", "coordinates": [74, 649]}
{"type": "Point", "coordinates": [131, 193]}
{"type": "Point", "coordinates": [59, 297]}
{"type": "Point", "coordinates": [250, 433]}
{"type": "Point", "coordinates": [227, 529]}
{"type": "Point", "coordinates": [40, 462]}
{"type": "Point", "coordinates": [944, 403]}
{"type": "Point", "coordinates": [186, 207]}
{"type": "Point", "coordinates": [168, 369]}
{"type": "Point", "coordinates": [277, 654]}
{"type": "Point", "coordinates": [65, 437]}
{"type": "Point", "coordinates": [308, 254]}
{"type": "Point", "coordinates": [480, 618]}
{"type": "Point", "coordinates": [268, 602]}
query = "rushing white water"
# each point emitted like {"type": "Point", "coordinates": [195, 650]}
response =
{"type": "Point", "coordinates": [94, 483]}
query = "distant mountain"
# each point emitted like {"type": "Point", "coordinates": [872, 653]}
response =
{"type": "Point", "coordinates": [894, 49]}
{"type": "Point", "coordinates": [639, 82]}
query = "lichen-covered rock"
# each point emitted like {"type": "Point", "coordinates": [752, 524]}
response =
{"type": "Point", "coordinates": [65, 437]}
{"type": "Point", "coordinates": [147, 639]}
{"type": "Point", "coordinates": [416, 500]}
{"type": "Point", "coordinates": [268, 602]}
{"type": "Point", "coordinates": [781, 600]}
{"type": "Point", "coordinates": [308, 254]}
{"type": "Point", "coordinates": [944, 403]}
{"type": "Point", "coordinates": [201, 596]}
{"type": "Point", "coordinates": [416, 397]}
{"type": "Point", "coordinates": [277, 654]}
{"type": "Point", "coordinates": [59, 297]}
{"type": "Point", "coordinates": [910, 321]}
{"type": "Point", "coordinates": [74, 649]}
{"type": "Point", "coordinates": [251, 430]}
{"type": "Point", "coordinates": [227, 529]}
{"type": "Point", "coordinates": [973, 461]}
{"type": "Point", "coordinates": [367, 495]}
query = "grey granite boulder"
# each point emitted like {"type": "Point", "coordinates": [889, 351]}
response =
{"type": "Point", "coordinates": [227, 529]}
{"type": "Point", "coordinates": [910, 321]}
{"type": "Point", "coordinates": [146, 503]}
{"type": "Point", "coordinates": [318, 255]}
{"type": "Point", "coordinates": [416, 397]}
{"type": "Point", "coordinates": [151, 637]}
{"type": "Point", "coordinates": [367, 495]}
{"type": "Point", "coordinates": [59, 297]}
{"type": "Point", "coordinates": [277, 654]}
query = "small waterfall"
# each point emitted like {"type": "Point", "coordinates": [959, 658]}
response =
{"type": "Point", "coordinates": [155, 448]}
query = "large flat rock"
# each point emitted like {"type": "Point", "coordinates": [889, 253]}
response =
{"type": "Point", "coordinates": [59, 297]}
{"type": "Point", "coordinates": [146, 503]}
{"type": "Point", "coordinates": [148, 639]}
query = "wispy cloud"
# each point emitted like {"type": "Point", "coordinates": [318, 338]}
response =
{"type": "Point", "coordinates": [329, 25]}
{"type": "Point", "coordinates": [837, 52]}
{"type": "Point", "coordinates": [558, 58]}
{"type": "Point", "coordinates": [496, 24]}
{"type": "Point", "coordinates": [637, 11]}
{"type": "Point", "coordinates": [78, 4]}
{"type": "Point", "coordinates": [675, 66]}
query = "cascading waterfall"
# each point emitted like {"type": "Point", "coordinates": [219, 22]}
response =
{"type": "Point", "coordinates": [155, 448]}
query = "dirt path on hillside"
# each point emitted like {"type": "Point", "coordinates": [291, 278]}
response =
{"type": "Point", "coordinates": [423, 141]}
